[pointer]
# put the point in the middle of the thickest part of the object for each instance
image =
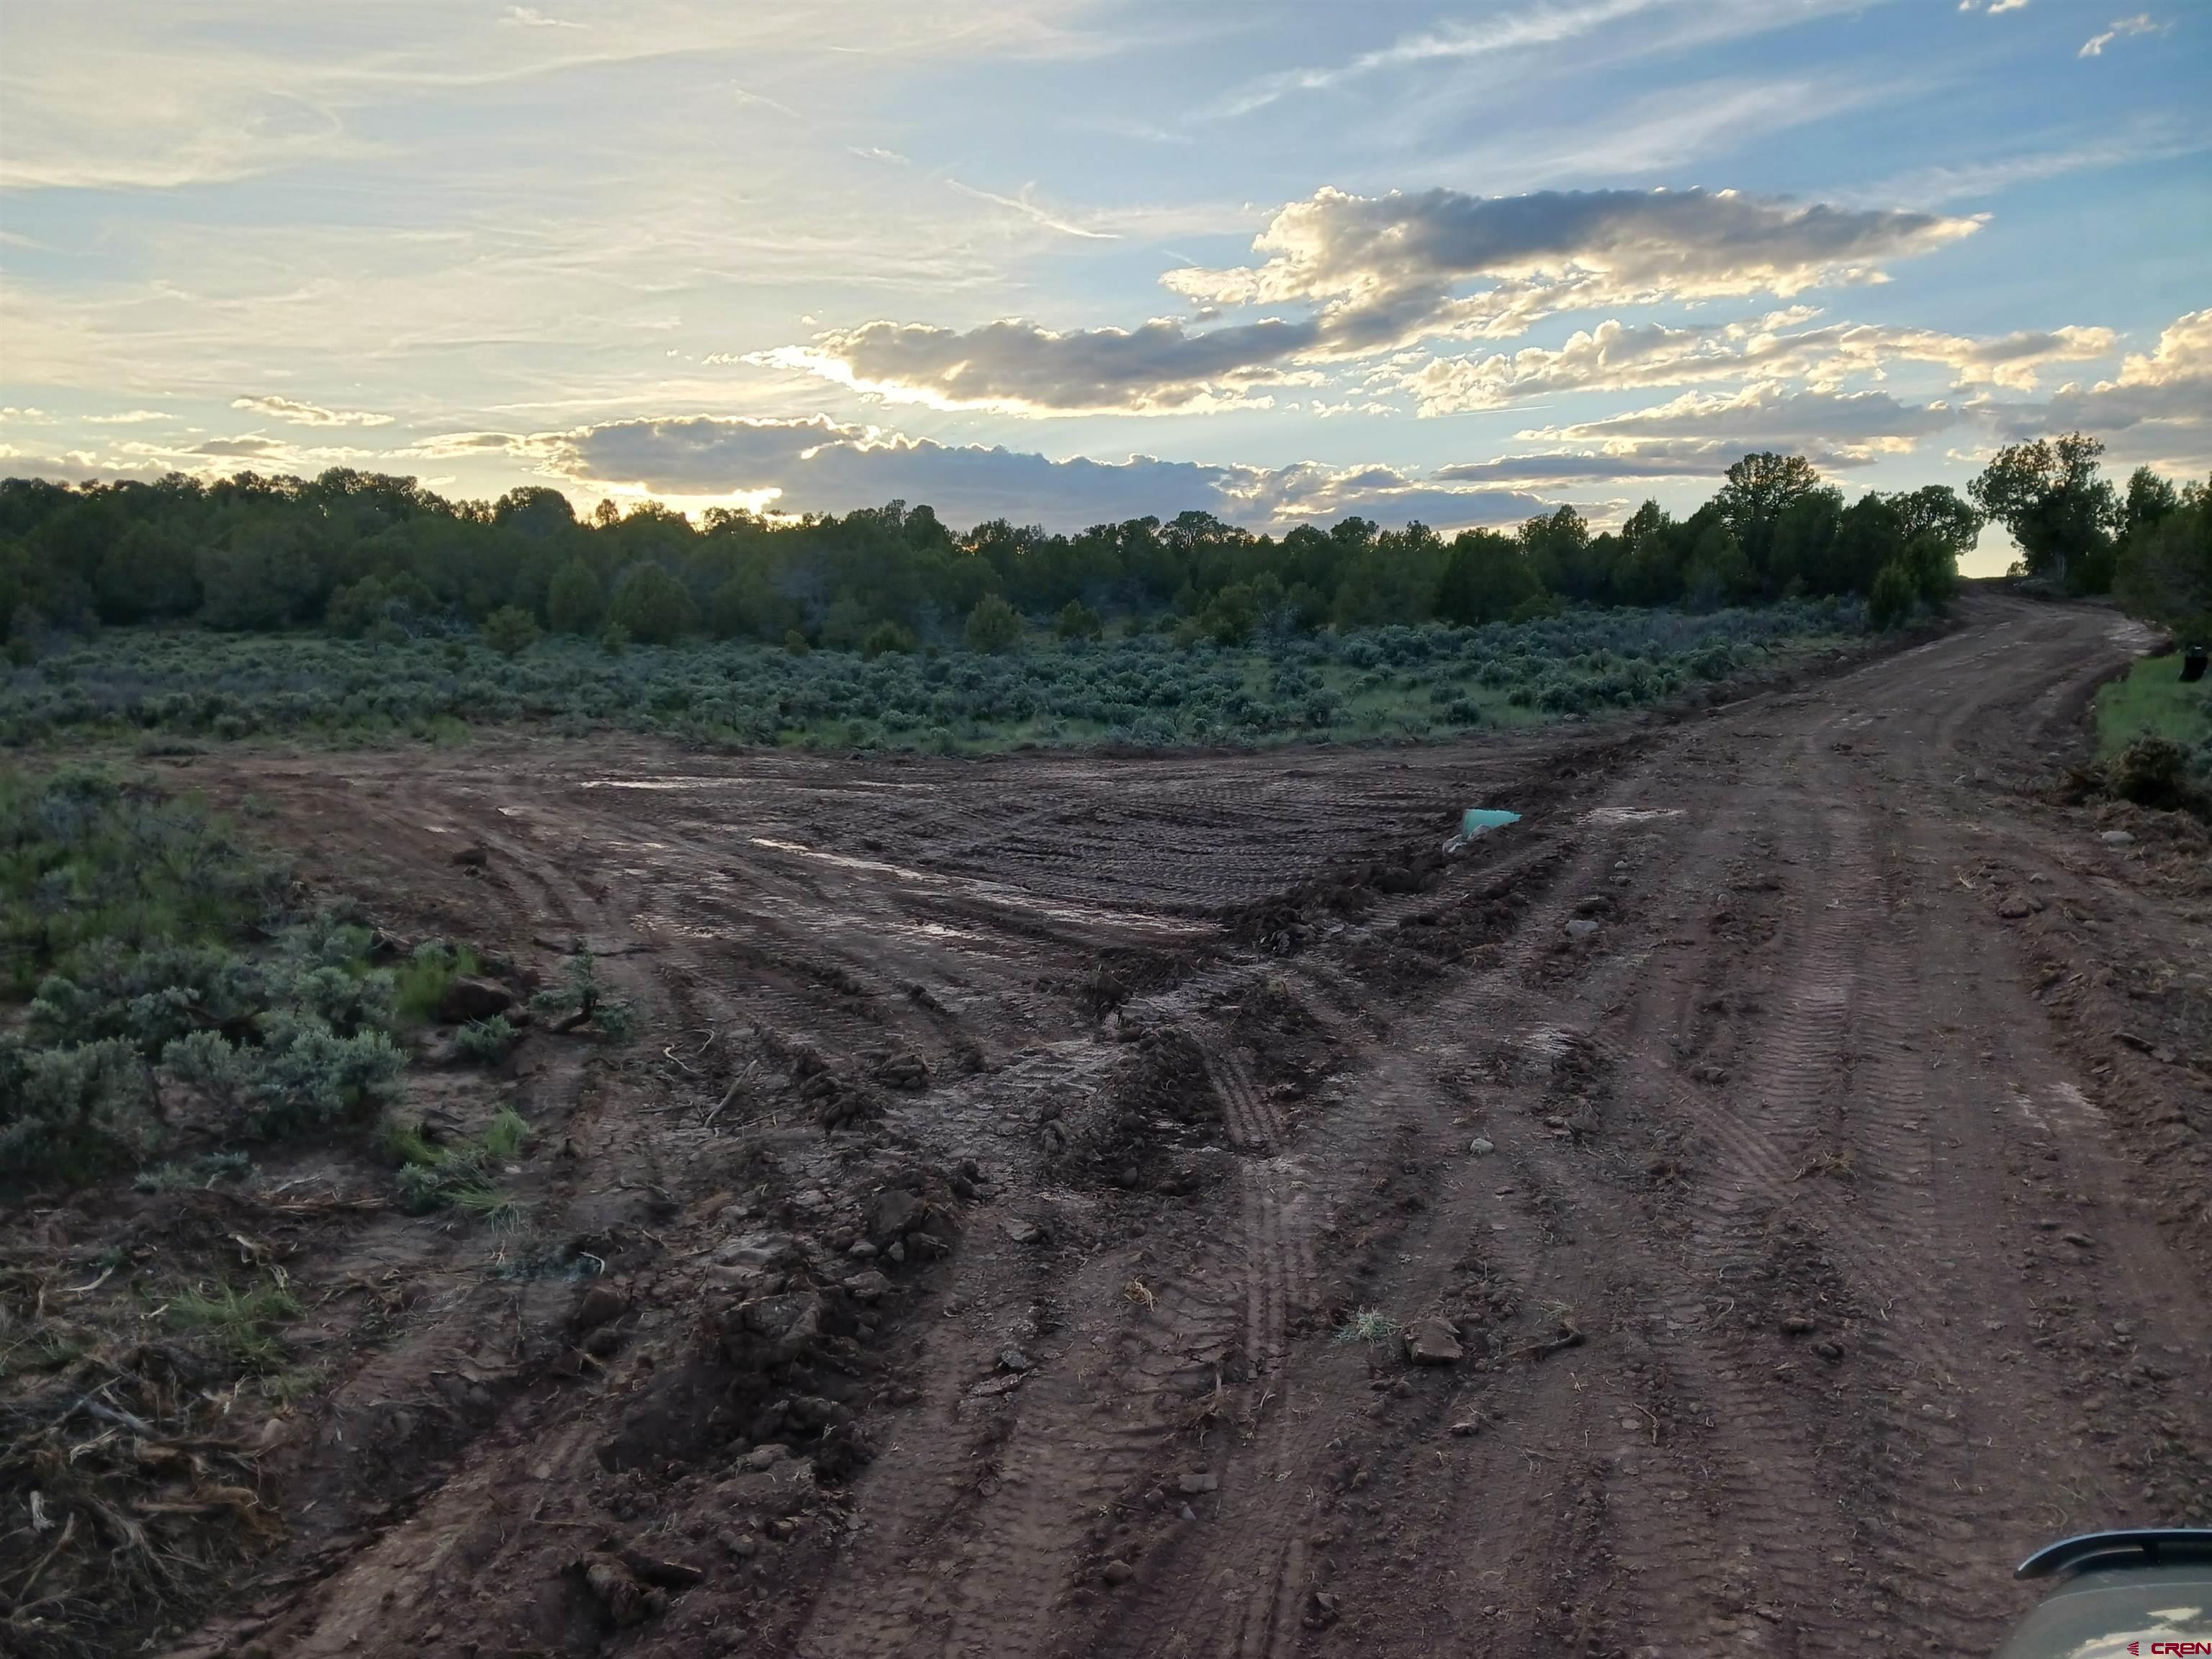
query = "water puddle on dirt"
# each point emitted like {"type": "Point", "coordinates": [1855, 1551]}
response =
{"type": "Point", "coordinates": [655, 783]}
{"type": "Point", "coordinates": [939, 930]}
{"type": "Point", "coordinates": [990, 893]}
{"type": "Point", "coordinates": [874, 866]}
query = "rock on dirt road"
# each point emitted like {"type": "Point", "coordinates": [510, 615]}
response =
{"type": "Point", "coordinates": [1784, 1147]}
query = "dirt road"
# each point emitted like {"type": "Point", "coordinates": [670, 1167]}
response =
{"type": "Point", "coordinates": [1814, 1232]}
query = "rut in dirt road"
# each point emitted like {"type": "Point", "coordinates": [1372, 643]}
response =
{"type": "Point", "coordinates": [1811, 1247]}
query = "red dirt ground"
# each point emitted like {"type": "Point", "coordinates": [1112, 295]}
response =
{"type": "Point", "coordinates": [1820, 1231]}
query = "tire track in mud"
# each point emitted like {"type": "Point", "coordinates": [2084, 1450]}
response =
{"type": "Point", "coordinates": [1247, 1596]}
{"type": "Point", "coordinates": [989, 1575]}
{"type": "Point", "coordinates": [1749, 1484]}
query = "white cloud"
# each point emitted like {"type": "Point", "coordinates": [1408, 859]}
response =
{"type": "Point", "coordinates": [1854, 425]}
{"type": "Point", "coordinates": [1376, 273]}
{"type": "Point", "coordinates": [129, 417]}
{"type": "Point", "coordinates": [180, 95]}
{"type": "Point", "coordinates": [305, 414]}
{"type": "Point", "coordinates": [1019, 367]}
{"type": "Point", "coordinates": [1031, 211]}
{"type": "Point", "coordinates": [1549, 469]}
{"type": "Point", "coordinates": [2167, 390]}
{"type": "Point", "coordinates": [2121, 27]}
{"type": "Point", "coordinates": [1495, 33]}
{"type": "Point", "coordinates": [2150, 139]}
{"type": "Point", "coordinates": [1616, 356]}
{"type": "Point", "coordinates": [818, 465]}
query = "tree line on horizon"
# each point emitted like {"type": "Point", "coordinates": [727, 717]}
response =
{"type": "Point", "coordinates": [369, 555]}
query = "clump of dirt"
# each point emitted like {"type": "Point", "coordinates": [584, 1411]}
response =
{"type": "Point", "coordinates": [1288, 923]}
{"type": "Point", "coordinates": [838, 1101]}
{"type": "Point", "coordinates": [1290, 1048]}
{"type": "Point", "coordinates": [786, 1347]}
{"type": "Point", "coordinates": [1466, 930]}
{"type": "Point", "coordinates": [1156, 1125]}
{"type": "Point", "coordinates": [1120, 972]}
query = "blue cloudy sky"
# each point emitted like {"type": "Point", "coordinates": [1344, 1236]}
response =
{"type": "Point", "coordinates": [1073, 262]}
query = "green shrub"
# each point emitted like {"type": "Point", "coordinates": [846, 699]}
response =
{"type": "Point", "coordinates": [574, 601]}
{"type": "Point", "coordinates": [421, 984]}
{"type": "Point", "coordinates": [72, 1114]}
{"type": "Point", "coordinates": [1894, 594]}
{"type": "Point", "coordinates": [993, 626]}
{"type": "Point", "coordinates": [1078, 621]}
{"type": "Point", "coordinates": [510, 630]}
{"type": "Point", "coordinates": [651, 605]}
{"type": "Point", "coordinates": [300, 1076]}
{"type": "Point", "coordinates": [581, 1001]}
{"type": "Point", "coordinates": [486, 1040]}
{"type": "Point", "coordinates": [885, 637]}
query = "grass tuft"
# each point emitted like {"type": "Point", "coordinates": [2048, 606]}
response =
{"type": "Point", "coordinates": [1369, 1325]}
{"type": "Point", "coordinates": [239, 1321]}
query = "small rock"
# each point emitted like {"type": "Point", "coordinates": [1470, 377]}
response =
{"type": "Point", "coordinates": [1432, 1342]}
{"type": "Point", "coordinates": [867, 1287]}
{"type": "Point", "coordinates": [468, 999]}
{"type": "Point", "coordinates": [2080, 1240]}
{"type": "Point", "coordinates": [472, 857]}
{"type": "Point", "coordinates": [1015, 1360]}
{"type": "Point", "coordinates": [1187, 1513]}
{"type": "Point", "coordinates": [1020, 1231]}
{"type": "Point", "coordinates": [617, 1591]}
{"type": "Point", "coordinates": [601, 1303]}
{"type": "Point", "coordinates": [1481, 1147]}
{"type": "Point", "coordinates": [862, 1250]}
{"type": "Point", "coordinates": [2014, 906]}
{"type": "Point", "coordinates": [1195, 1482]}
{"type": "Point", "coordinates": [894, 1212]}
{"type": "Point", "coordinates": [1467, 1426]}
{"type": "Point", "coordinates": [2116, 838]}
{"type": "Point", "coordinates": [1581, 927]}
{"type": "Point", "coordinates": [602, 1343]}
{"type": "Point", "coordinates": [1798, 1325]}
{"type": "Point", "coordinates": [1829, 1349]}
{"type": "Point", "coordinates": [1117, 1572]}
{"type": "Point", "coordinates": [992, 1386]}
